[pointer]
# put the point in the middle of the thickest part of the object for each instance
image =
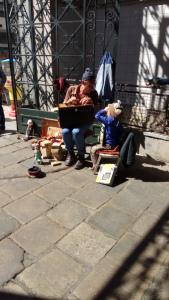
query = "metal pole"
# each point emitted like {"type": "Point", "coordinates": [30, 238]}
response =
{"type": "Point", "coordinates": [35, 77]}
{"type": "Point", "coordinates": [84, 33]}
{"type": "Point", "coordinates": [7, 20]}
{"type": "Point", "coordinates": [94, 46]}
{"type": "Point", "coordinates": [56, 36]}
{"type": "Point", "coordinates": [105, 25]}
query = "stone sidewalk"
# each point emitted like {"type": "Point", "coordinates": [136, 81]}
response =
{"type": "Point", "coordinates": [64, 236]}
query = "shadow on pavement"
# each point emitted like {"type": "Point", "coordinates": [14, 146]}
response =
{"type": "Point", "coordinates": [11, 296]}
{"type": "Point", "coordinates": [145, 169]}
{"type": "Point", "coordinates": [137, 269]}
{"type": "Point", "coordinates": [9, 131]}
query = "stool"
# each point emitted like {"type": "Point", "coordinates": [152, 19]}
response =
{"type": "Point", "coordinates": [111, 155]}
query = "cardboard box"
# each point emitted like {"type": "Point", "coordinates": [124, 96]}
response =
{"type": "Point", "coordinates": [106, 174]}
{"type": "Point", "coordinates": [46, 149]}
{"type": "Point", "coordinates": [46, 123]}
{"type": "Point", "coordinates": [54, 132]}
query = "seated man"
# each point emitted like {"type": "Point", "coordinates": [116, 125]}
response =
{"type": "Point", "coordinates": [82, 94]}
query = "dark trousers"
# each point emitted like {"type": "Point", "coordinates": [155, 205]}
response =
{"type": "Point", "coordinates": [2, 116]}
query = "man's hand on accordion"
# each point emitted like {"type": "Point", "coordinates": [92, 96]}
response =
{"type": "Point", "coordinates": [72, 101]}
{"type": "Point", "coordinates": [86, 101]}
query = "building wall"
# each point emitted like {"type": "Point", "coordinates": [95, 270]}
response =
{"type": "Point", "coordinates": [143, 48]}
{"type": "Point", "coordinates": [143, 52]}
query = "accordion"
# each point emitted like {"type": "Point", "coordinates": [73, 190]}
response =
{"type": "Point", "coordinates": [75, 116]}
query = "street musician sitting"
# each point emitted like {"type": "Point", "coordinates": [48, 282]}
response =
{"type": "Point", "coordinates": [83, 94]}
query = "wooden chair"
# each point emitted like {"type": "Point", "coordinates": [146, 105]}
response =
{"type": "Point", "coordinates": [113, 156]}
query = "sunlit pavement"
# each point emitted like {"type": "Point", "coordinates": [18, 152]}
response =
{"type": "Point", "coordinates": [63, 236]}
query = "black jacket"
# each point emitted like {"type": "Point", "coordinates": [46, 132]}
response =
{"type": "Point", "coordinates": [2, 77]}
{"type": "Point", "coordinates": [128, 150]}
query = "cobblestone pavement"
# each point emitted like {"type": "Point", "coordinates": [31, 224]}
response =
{"type": "Point", "coordinates": [64, 236]}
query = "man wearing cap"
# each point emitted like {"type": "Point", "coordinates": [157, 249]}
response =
{"type": "Point", "coordinates": [82, 94]}
{"type": "Point", "coordinates": [109, 117]}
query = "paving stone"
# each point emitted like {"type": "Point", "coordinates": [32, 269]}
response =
{"type": "Point", "coordinates": [4, 198]}
{"type": "Point", "coordinates": [13, 288]}
{"type": "Point", "coordinates": [38, 235]}
{"type": "Point", "coordinates": [7, 160]}
{"type": "Point", "coordinates": [131, 202]}
{"type": "Point", "coordinates": [2, 181]}
{"type": "Point", "coordinates": [96, 280]}
{"type": "Point", "coordinates": [27, 163]}
{"type": "Point", "coordinates": [52, 276]}
{"type": "Point", "coordinates": [75, 178]}
{"type": "Point", "coordinates": [13, 171]}
{"type": "Point", "coordinates": [86, 244]}
{"type": "Point", "coordinates": [59, 171]}
{"type": "Point", "coordinates": [90, 175]}
{"type": "Point", "coordinates": [29, 259]}
{"type": "Point", "coordinates": [22, 144]}
{"type": "Point", "coordinates": [7, 224]}
{"type": "Point", "coordinates": [10, 149]}
{"type": "Point", "coordinates": [19, 187]}
{"type": "Point", "coordinates": [164, 186]}
{"type": "Point", "coordinates": [23, 154]}
{"type": "Point", "coordinates": [27, 208]}
{"type": "Point", "coordinates": [45, 166]}
{"type": "Point", "coordinates": [130, 287]}
{"type": "Point", "coordinates": [147, 188]}
{"type": "Point", "coordinates": [55, 191]}
{"type": "Point", "coordinates": [11, 257]}
{"type": "Point", "coordinates": [111, 220]}
{"type": "Point", "coordinates": [68, 213]}
{"type": "Point", "coordinates": [124, 247]}
{"type": "Point", "coordinates": [149, 260]}
{"type": "Point", "coordinates": [5, 142]}
{"type": "Point", "coordinates": [144, 224]}
{"type": "Point", "coordinates": [93, 195]}
{"type": "Point", "coordinates": [71, 297]}
{"type": "Point", "coordinates": [119, 186]}
{"type": "Point", "coordinates": [138, 277]}
{"type": "Point", "coordinates": [159, 206]}
{"type": "Point", "coordinates": [159, 288]}
{"type": "Point", "coordinates": [52, 174]}
{"type": "Point", "coordinates": [12, 138]}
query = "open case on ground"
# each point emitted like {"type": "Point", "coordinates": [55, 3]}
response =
{"type": "Point", "coordinates": [106, 174]}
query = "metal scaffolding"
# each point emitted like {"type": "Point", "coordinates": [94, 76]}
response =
{"type": "Point", "coordinates": [49, 39]}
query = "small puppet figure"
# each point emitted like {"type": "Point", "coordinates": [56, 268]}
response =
{"type": "Point", "coordinates": [37, 152]}
{"type": "Point", "coordinates": [29, 130]}
{"type": "Point", "coordinates": [109, 117]}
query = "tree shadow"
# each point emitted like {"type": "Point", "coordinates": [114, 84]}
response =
{"type": "Point", "coordinates": [126, 283]}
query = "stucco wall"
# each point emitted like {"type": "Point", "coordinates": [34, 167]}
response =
{"type": "Point", "coordinates": [154, 145]}
{"type": "Point", "coordinates": [143, 52]}
{"type": "Point", "coordinates": [143, 48]}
